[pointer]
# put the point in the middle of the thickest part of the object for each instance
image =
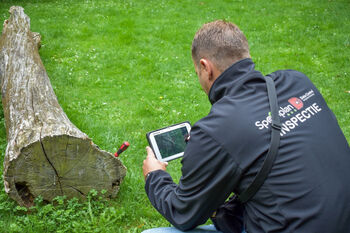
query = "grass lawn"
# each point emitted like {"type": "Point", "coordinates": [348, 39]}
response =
{"type": "Point", "coordinates": [123, 68]}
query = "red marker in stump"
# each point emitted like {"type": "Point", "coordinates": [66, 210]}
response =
{"type": "Point", "coordinates": [122, 148]}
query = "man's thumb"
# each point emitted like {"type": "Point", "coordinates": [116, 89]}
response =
{"type": "Point", "coordinates": [150, 152]}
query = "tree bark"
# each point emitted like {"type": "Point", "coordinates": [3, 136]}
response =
{"type": "Point", "coordinates": [46, 154]}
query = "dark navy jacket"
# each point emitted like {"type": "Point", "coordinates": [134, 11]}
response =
{"type": "Point", "coordinates": [308, 188]}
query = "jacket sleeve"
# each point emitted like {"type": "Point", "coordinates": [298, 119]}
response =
{"type": "Point", "coordinates": [209, 175]}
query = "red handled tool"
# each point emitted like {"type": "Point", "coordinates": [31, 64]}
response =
{"type": "Point", "coordinates": [122, 148]}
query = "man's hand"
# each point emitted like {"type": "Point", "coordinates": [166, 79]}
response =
{"type": "Point", "coordinates": [151, 163]}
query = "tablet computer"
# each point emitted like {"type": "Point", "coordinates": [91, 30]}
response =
{"type": "Point", "coordinates": [169, 143]}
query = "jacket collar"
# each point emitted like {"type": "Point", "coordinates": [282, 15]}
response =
{"type": "Point", "coordinates": [231, 76]}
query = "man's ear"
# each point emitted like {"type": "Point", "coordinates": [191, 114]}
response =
{"type": "Point", "coordinates": [206, 66]}
{"type": "Point", "coordinates": [212, 70]}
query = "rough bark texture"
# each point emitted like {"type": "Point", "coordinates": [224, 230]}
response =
{"type": "Point", "coordinates": [46, 154]}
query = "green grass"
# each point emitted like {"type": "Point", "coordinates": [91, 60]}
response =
{"type": "Point", "coordinates": [123, 68]}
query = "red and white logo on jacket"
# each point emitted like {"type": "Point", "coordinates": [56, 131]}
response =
{"type": "Point", "coordinates": [296, 102]}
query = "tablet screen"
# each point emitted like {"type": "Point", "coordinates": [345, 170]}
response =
{"type": "Point", "coordinates": [171, 142]}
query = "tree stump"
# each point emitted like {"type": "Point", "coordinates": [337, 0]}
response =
{"type": "Point", "coordinates": [46, 154]}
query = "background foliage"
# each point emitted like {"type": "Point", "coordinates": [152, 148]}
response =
{"type": "Point", "coordinates": [123, 68]}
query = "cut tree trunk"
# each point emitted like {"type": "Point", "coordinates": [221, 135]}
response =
{"type": "Point", "coordinates": [46, 154]}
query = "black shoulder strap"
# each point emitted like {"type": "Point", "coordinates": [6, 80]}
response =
{"type": "Point", "coordinates": [275, 141]}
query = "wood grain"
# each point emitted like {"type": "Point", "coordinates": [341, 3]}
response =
{"type": "Point", "coordinates": [46, 154]}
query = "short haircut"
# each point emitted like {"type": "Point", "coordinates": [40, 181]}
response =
{"type": "Point", "coordinates": [221, 42]}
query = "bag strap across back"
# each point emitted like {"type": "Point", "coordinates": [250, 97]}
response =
{"type": "Point", "coordinates": [261, 176]}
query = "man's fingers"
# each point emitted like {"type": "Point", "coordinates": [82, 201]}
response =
{"type": "Point", "coordinates": [151, 163]}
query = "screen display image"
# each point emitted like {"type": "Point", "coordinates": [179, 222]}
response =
{"type": "Point", "coordinates": [172, 142]}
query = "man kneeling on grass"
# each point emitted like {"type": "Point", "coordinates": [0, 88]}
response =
{"type": "Point", "coordinates": [307, 188]}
